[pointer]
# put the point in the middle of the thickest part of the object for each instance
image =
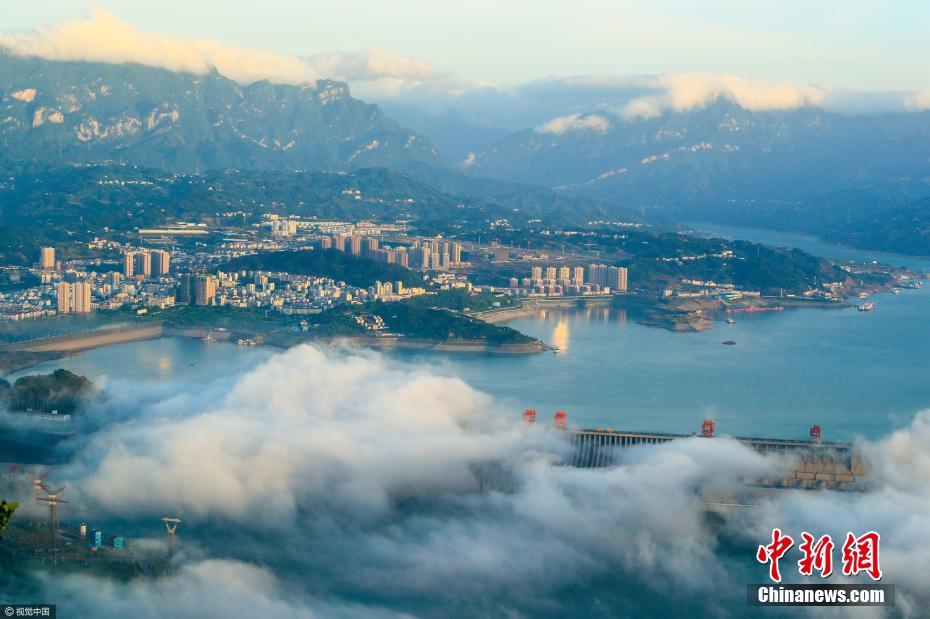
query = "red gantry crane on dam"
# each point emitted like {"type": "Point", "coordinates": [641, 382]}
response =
{"type": "Point", "coordinates": [817, 464]}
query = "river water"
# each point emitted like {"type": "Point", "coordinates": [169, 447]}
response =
{"type": "Point", "coordinates": [854, 373]}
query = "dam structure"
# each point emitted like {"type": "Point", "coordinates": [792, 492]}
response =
{"type": "Point", "coordinates": [86, 340]}
{"type": "Point", "coordinates": [812, 464]}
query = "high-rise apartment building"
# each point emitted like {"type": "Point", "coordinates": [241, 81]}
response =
{"type": "Point", "coordinates": [355, 245]}
{"type": "Point", "coordinates": [198, 289]}
{"type": "Point", "coordinates": [185, 295]}
{"type": "Point", "coordinates": [616, 279]}
{"type": "Point", "coordinates": [81, 296]}
{"type": "Point", "coordinates": [204, 290]}
{"type": "Point", "coordinates": [64, 298]}
{"type": "Point", "coordinates": [597, 275]}
{"type": "Point", "coordinates": [283, 227]}
{"type": "Point", "coordinates": [142, 264]}
{"type": "Point", "coordinates": [74, 298]}
{"type": "Point", "coordinates": [47, 258]}
{"type": "Point", "coordinates": [160, 262]}
{"type": "Point", "coordinates": [578, 276]}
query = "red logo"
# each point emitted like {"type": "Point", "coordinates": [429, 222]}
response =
{"type": "Point", "coordinates": [860, 554]}
{"type": "Point", "coordinates": [817, 555]}
{"type": "Point", "coordinates": [773, 552]}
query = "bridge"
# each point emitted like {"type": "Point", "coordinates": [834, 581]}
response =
{"type": "Point", "coordinates": [811, 464]}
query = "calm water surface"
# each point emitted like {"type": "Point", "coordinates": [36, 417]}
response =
{"type": "Point", "coordinates": [854, 373]}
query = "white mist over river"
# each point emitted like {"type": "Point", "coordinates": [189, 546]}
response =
{"type": "Point", "coordinates": [330, 484]}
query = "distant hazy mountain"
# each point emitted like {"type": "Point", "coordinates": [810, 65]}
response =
{"type": "Point", "coordinates": [725, 162]}
{"type": "Point", "coordinates": [455, 136]}
{"type": "Point", "coordinates": [722, 152]}
{"type": "Point", "coordinates": [67, 112]}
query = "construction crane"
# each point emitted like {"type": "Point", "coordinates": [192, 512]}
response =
{"type": "Point", "coordinates": [53, 501]}
{"type": "Point", "coordinates": [171, 525]}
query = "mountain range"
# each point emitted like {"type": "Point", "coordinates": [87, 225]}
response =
{"type": "Point", "coordinates": [719, 153]}
{"type": "Point", "coordinates": [79, 112]}
{"type": "Point", "coordinates": [859, 178]}
{"type": "Point", "coordinates": [840, 176]}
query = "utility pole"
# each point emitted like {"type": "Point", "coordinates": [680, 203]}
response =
{"type": "Point", "coordinates": [171, 524]}
{"type": "Point", "coordinates": [53, 501]}
{"type": "Point", "coordinates": [38, 483]}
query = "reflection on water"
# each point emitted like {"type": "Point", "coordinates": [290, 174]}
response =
{"type": "Point", "coordinates": [560, 335]}
{"type": "Point", "coordinates": [165, 367]}
{"type": "Point", "coordinates": [593, 313]}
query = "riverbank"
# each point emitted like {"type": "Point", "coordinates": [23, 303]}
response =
{"type": "Point", "coordinates": [380, 342]}
{"type": "Point", "coordinates": [449, 346]}
{"type": "Point", "coordinates": [21, 355]}
{"type": "Point", "coordinates": [679, 314]}
{"type": "Point", "coordinates": [698, 314]}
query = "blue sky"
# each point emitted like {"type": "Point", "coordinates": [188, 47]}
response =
{"type": "Point", "coordinates": [847, 44]}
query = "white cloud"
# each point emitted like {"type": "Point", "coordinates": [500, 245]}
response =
{"type": "Point", "coordinates": [349, 437]}
{"type": "Point", "coordinates": [575, 122]}
{"type": "Point", "coordinates": [288, 433]}
{"type": "Point", "coordinates": [918, 101]}
{"type": "Point", "coordinates": [373, 64]}
{"type": "Point", "coordinates": [103, 37]}
{"type": "Point", "coordinates": [357, 469]}
{"type": "Point", "coordinates": [210, 588]}
{"type": "Point", "coordinates": [685, 91]}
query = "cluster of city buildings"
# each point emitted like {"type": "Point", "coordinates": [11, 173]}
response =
{"type": "Point", "coordinates": [147, 279]}
{"type": "Point", "coordinates": [146, 263]}
{"type": "Point", "coordinates": [696, 288]}
{"type": "Point", "coordinates": [158, 278]}
{"type": "Point", "coordinates": [78, 288]}
{"type": "Point", "coordinates": [287, 293]}
{"type": "Point", "coordinates": [577, 280]}
{"type": "Point", "coordinates": [421, 254]}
